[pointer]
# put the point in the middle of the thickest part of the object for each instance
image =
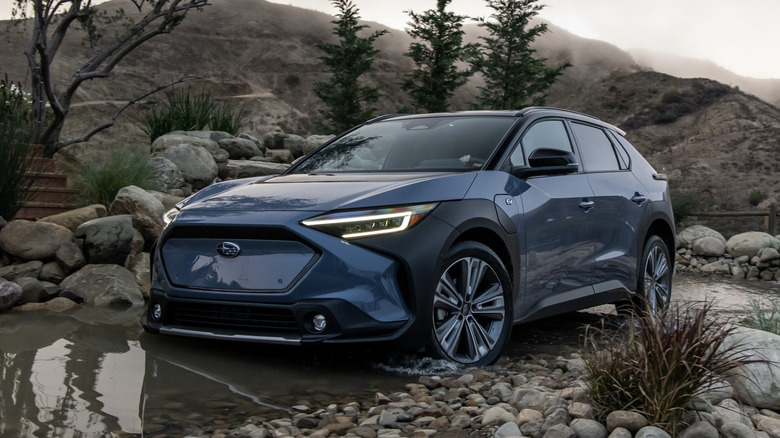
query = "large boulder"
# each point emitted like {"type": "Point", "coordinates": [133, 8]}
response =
{"type": "Point", "coordinates": [274, 140]}
{"type": "Point", "coordinates": [688, 236]}
{"type": "Point", "coordinates": [165, 176]}
{"type": "Point", "coordinates": [315, 141]}
{"type": "Point", "coordinates": [239, 148]}
{"type": "Point", "coordinates": [73, 218]}
{"type": "Point", "coordinates": [167, 141]}
{"type": "Point", "coordinates": [108, 239]}
{"type": "Point", "coordinates": [147, 211]}
{"type": "Point", "coordinates": [709, 246]}
{"type": "Point", "coordinates": [258, 143]}
{"type": "Point", "coordinates": [33, 240]}
{"type": "Point", "coordinates": [70, 257]}
{"type": "Point", "coordinates": [757, 384]}
{"type": "Point", "coordinates": [748, 244]}
{"type": "Point", "coordinates": [10, 293]}
{"type": "Point", "coordinates": [105, 285]}
{"type": "Point", "coordinates": [19, 270]}
{"type": "Point", "coordinates": [140, 266]}
{"type": "Point", "coordinates": [34, 290]}
{"type": "Point", "coordinates": [195, 163]}
{"type": "Point", "coordinates": [296, 145]}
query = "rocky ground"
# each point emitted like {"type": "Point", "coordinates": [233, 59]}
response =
{"type": "Point", "coordinates": [544, 397]}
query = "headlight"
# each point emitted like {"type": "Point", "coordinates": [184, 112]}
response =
{"type": "Point", "coordinates": [364, 223]}
{"type": "Point", "coordinates": [170, 216]}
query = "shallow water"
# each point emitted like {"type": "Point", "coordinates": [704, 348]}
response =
{"type": "Point", "coordinates": [92, 373]}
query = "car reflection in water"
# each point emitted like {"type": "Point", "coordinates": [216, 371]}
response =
{"type": "Point", "coordinates": [92, 373]}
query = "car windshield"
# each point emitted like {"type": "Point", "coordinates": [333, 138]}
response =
{"type": "Point", "coordinates": [459, 143]}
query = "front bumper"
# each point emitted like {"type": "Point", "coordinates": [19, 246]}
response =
{"type": "Point", "coordinates": [365, 291]}
{"type": "Point", "coordinates": [263, 323]}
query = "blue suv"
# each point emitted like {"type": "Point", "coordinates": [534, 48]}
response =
{"type": "Point", "coordinates": [433, 230]}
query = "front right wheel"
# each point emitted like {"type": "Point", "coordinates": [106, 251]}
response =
{"type": "Point", "coordinates": [472, 306]}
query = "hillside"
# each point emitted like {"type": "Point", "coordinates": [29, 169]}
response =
{"type": "Point", "coordinates": [682, 67]}
{"type": "Point", "coordinates": [711, 139]}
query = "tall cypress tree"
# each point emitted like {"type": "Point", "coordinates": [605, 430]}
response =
{"type": "Point", "coordinates": [440, 47]}
{"type": "Point", "coordinates": [348, 102]}
{"type": "Point", "coordinates": [514, 76]}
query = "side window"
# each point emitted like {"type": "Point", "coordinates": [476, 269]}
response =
{"type": "Point", "coordinates": [625, 160]}
{"type": "Point", "coordinates": [550, 134]}
{"type": "Point", "coordinates": [597, 152]}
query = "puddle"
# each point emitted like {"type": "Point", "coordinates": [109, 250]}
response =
{"type": "Point", "coordinates": [92, 373]}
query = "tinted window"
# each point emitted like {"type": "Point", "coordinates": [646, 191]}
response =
{"type": "Point", "coordinates": [548, 134]}
{"type": "Point", "coordinates": [625, 160]}
{"type": "Point", "coordinates": [424, 144]}
{"type": "Point", "coordinates": [597, 152]}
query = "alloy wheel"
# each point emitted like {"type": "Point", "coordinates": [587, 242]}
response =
{"type": "Point", "coordinates": [469, 311]}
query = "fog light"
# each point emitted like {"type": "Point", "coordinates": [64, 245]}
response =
{"type": "Point", "coordinates": [156, 312]}
{"type": "Point", "coordinates": [318, 322]}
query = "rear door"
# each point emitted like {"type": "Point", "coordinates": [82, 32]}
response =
{"type": "Point", "coordinates": [620, 202]}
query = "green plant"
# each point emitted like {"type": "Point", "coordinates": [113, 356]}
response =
{"type": "Point", "coordinates": [761, 319]}
{"type": "Point", "coordinates": [99, 180]}
{"type": "Point", "coordinates": [186, 111]}
{"type": "Point", "coordinates": [224, 117]}
{"type": "Point", "coordinates": [660, 364]}
{"type": "Point", "coordinates": [684, 203]}
{"type": "Point", "coordinates": [292, 80]}
{"type": "Point", "coordinates": [756, 197]}
{"type": "Point", "coordinates": [671, 96]}
{"type": "Point", "coordinates": [15, 135]}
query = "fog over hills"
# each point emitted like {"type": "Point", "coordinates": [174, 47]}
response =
{"type": "Point", "coordinates": [682, 67]}
{"type": "Point", "coordinates": [710, 138]}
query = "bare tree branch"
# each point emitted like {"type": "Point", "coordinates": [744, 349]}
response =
{"type": "Point", "coordinates": [112, 121]}
{"type": "Point", "coordinates": [44, 43]}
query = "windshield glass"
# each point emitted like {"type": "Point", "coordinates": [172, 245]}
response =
{"type": "Point", "coordinates": [421, 144]}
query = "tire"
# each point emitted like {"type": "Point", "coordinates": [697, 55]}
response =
{"type": "Point", "coordinates": [471, 315]}
{"type": "Point", "coordinates": [654, 288]}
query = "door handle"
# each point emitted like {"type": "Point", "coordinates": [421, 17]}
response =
{"type": "Point", "coordinates": [586, 205]}
{"type": "Point", "coordinates": [639, 199]}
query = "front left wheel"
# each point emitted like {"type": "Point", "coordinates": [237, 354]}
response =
{"type": "Point", "coordinates": [472, 306]}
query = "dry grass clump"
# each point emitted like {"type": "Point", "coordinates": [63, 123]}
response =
{"type": "Point", "coordinates": [659, 364]}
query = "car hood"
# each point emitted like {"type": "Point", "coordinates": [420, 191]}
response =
{"type": "Point", "coordinates": [326, 192]}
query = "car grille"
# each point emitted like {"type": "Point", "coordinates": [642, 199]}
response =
{"type": "Point", "coordinates": [238, 318]}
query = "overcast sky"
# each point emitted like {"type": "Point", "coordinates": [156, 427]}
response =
{"type": "Point", "coordinates": [741, 35]}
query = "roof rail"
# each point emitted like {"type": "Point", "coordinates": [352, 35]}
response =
{"type": "Point", "coordinates": [543, 108]}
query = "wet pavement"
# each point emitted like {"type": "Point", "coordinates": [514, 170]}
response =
{"type": "Point", "coordinates": [90, 373]}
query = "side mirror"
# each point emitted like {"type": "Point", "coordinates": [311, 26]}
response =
{"type": "Point", "coordinates": [545, 161]}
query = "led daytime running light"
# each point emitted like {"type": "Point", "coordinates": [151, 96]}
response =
{"type": "Point", "coordinates": [349, 225]}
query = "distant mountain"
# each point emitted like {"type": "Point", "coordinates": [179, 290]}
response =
{"type": "Point", "coordinates": [683, 67]}
{"type": "Point", "coordinates": [711, 139]}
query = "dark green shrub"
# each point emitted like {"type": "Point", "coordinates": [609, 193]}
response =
{"type": "Point", "coordinates": [185, 111]}
{"type": "Point", "coordinates": [225, 117]}
{"type": "Point", "coordinates": [684, 203]}
{"type": "Point", "coordinates": [671, 96]}
{"type": "Point", "coordinates": [15, 135]}
{"type": "Point", "coordinates": [756, 197]}
{"type": "Point", "coordinates": [292, 80]}
{"type": "Point", "coordinates": [660, 364]}
{"type": "Point", "coordinates": [99, 180]}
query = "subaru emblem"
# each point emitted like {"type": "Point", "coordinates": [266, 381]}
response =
{"type": "Point", "coordinates": [228, 249]}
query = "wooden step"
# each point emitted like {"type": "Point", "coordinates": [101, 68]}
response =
{"type": "Point", "coordinates": [50, 193]}
{"type": "Point", "coordinates": [46, 180]}
{"type": "Point", "coordinates": [54, 195]}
